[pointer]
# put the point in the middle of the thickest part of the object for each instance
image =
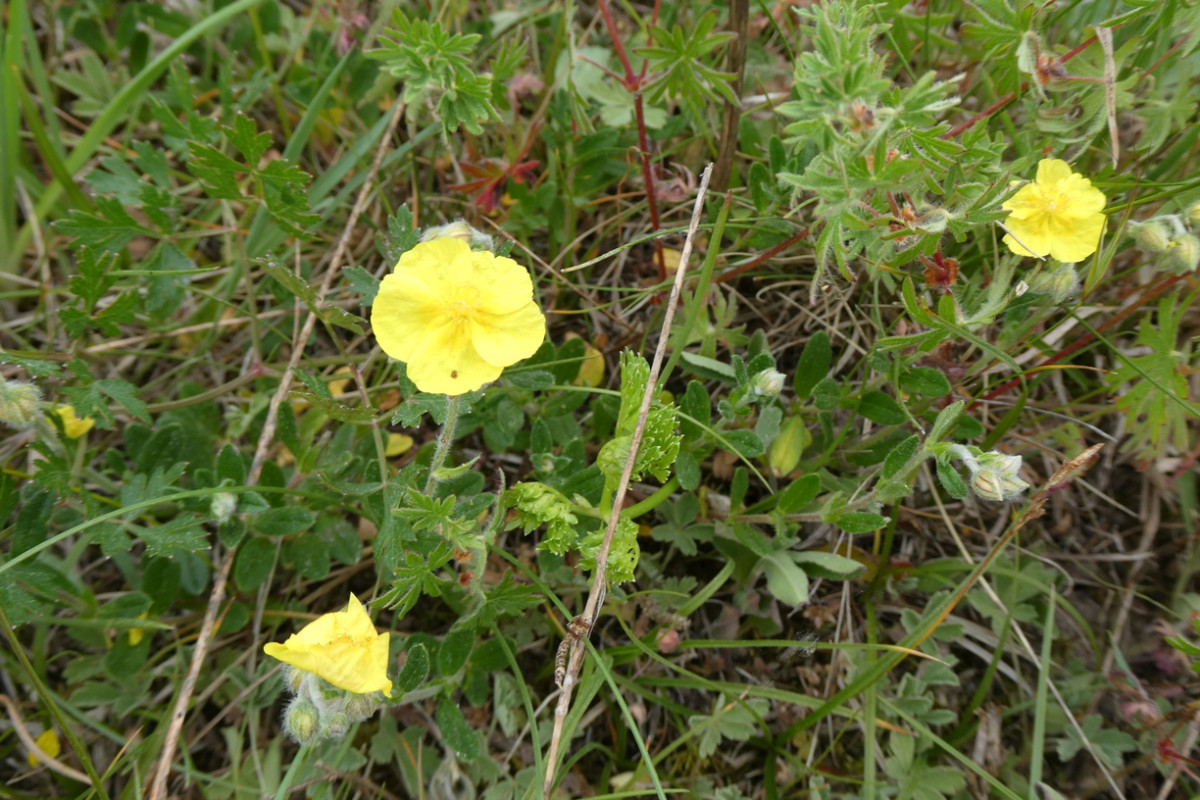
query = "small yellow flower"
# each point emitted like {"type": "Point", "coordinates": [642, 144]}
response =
{"type": "Point", "coordinates": [73, 426]}
{"type": "Point", "coordinates": [48, 742]}
{"type": "Point", "coordinates": [1060, 214]}
{"type": "Point", "coordinates": [455, 316]}
{"type": "Point", "coordinates": [342, 648]}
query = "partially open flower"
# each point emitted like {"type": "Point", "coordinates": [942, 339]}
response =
{"type": "Point", "coordinates": [455, 316]}
{"type": "Point", "coordinates": [1060, 214]}
{"type": "Point", "coordinates": [342, 648]}
{"type": "Point", "coordinates": [73, 426]}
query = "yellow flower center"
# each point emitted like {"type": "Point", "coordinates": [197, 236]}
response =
{"type": "Point", "coordinates": [461, 304]}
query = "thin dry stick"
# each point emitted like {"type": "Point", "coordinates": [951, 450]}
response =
{"type": "Point", "coordinates": [158, 786]}
{"type": "Point", "coordinates": [581, 630]}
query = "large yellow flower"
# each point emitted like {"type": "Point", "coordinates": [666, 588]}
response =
{"type": "Point", "coordinates": [1060, 214]}
{"type": "Point", "coordinates": [455, 316]}
{"type": "Point", "coordinates": [342, 648]}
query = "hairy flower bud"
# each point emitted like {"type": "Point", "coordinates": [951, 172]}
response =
{"type": "Point", "coordinates": [1060, 283]}
{"type": "Point", "coordinates": [223, 506]}
{"type": "Point", "coordinates": [459, 229]}
{"type": "Point", "coordinates": [1193, 214]}
{"type": "Point", "coordinates": [334, 725]}
{"type": "Point", "coordinates": [18, 404]}
{"type": "Point", "coordinates": [768, 383]}
{"type": "Point", "coordinates": [1153, 236]}
{"type": "Point", "coordinates": [300, 721]}
{"type": "Point", "coordinates": [1183, 255]}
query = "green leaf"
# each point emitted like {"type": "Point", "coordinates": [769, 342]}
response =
{"type": "Point", "coordinates": [254, 562]}
{"type": "Point", "coordinates": [859, 521]}
{"type": "Point", "coordinates": [455, 650]}
{"type": "Point", "coordinates": [813, 366]}
{"type": "Point", "coordinates": [697, 411]}
{"type": "Point", "coordinates": [925, 380]}
{"type": "Point", "coordinates": [799, 493]}
{"type": "Point", "coordinates": [286, 521]}
{"type": "Point", "coordinates": [951, 481]}
{"type": "Point", "coordinates": [899, 456]}
{"type": "Point", "coordinates": [125, 394]}
{"type": "Point", "coordinates": [881, 408]}
{"type": "Point", "coordinates": [307, 555]}
{"type": "Point", "coordinates": [828, 565]}
{"type": "Point", "coordinates": [826, 394]}
{"type": "Point", "coordinates": [744, 443]}
{"type": "Point", "coordinates": [687, 469]}
{"type": "Point", "coordinates": [457, 733]}
{"type": "Point", "coordinates": [786, 582]}
{"type": "Point", "coordinates": [732, 719]}
{"type": "Point", "coordinates": [415, 669]}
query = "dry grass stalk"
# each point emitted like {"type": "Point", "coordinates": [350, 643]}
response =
{"type": "Point", "coordinates": [581, 627]}
{"type": "Point", "coordinates": [158, 782]}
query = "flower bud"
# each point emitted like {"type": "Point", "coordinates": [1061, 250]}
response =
{"type": "Point", "coordinates": [334, 725]}
{"type": "Point", "coordinates": [934, 220]}
{"type": "Point", "coordinates": [768, 383]}
{"type": "Point", "coordinates": [18, 404]}
{"type": "Point", "coordinates": [994, 476]}
{"type": "Point", "coordinates": [1060, 283]}
{"type": "Point", "coordinates": [1193, 214]}
{"type": "Point", "coordinates": [1153, 236]}
{"type": "Point", "coordinates": [784, 454]}
{"type": "Point", "coordinates": [300, 721]}
{"type": "Point", "coordinates": [360, 706]}
{"type": "Point", "coordinates": [223, 506]}
{"type": "Point", "coordinates": [460, 230]}
{"type": "Point", "coordinates": [1183, 255]}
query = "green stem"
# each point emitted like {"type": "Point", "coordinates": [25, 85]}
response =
{"type": "Point", "coordinates": [653, 501]}
{"type": "Point", "coordinates": [293, 772]}
{"type": "Point", "coordinates": [443, 444]}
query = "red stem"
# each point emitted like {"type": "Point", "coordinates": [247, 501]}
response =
{"type": "Point", "coordinates": [633, 84]}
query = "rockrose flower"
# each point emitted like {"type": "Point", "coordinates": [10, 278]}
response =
{"type": "Point", "coordinates": [1059, 214]}
{"type": "Point", "coordinates": [457, 317]}
{"type": "Point", "coordinates": [342, 648]}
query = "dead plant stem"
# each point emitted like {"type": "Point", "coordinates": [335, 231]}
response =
{"type": "Point", "coordinates": [158, 784]}
{"type": "Point", "coordinates": [599, 579]}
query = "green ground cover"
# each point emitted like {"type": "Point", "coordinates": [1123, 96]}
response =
{"type": "Point", "coordinates": [515, 400]}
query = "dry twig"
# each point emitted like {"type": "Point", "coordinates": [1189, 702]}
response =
{"type": "Point", "coordinates": [567, 670]}
{"type": "Point", "coordinates": [158, 784]}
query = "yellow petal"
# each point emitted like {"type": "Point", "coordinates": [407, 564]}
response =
{"type": "Point", "coordinates": [507, 339]}
{"type": "Point", "coordinates": [47, 741]}
{"type": "Point", "coordinates": [73, 426]}
{"type": "Point", "coordinates": [397, 444]}
{"type": "Point", "coordinates": [456, 316]}
{"type": "Point", "coordinates": [342, 648]}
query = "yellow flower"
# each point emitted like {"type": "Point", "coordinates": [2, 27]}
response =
{"type": "Point", "coordinates": [455, 316]}
{"type": "Point", "coordinates": [1060, 214]}
{"type": "Point", "coordinates": [341, 648]}
{"type": "Point", "coordinates": [48, 742]}
{"type": "Point", "coordinates": [73, 426]}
